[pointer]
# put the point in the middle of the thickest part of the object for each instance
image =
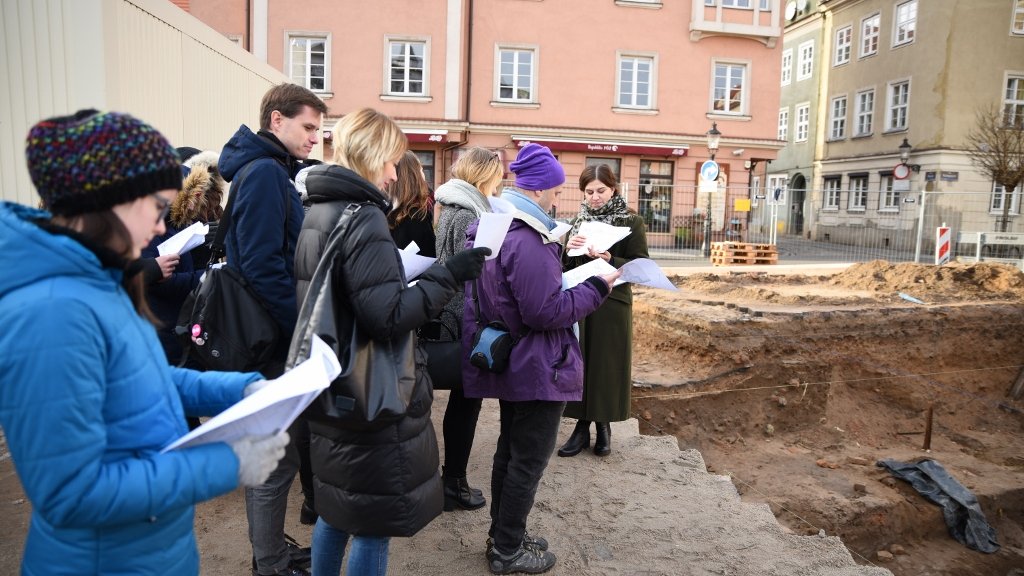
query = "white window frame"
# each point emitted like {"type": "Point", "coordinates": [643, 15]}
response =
{"type": "Point", "coordinates": [787, 66]}
{"type": "Point", "coordinates": [744, 95]}
{"type": "Point", "coordinates": [651, 59]}
{"type": "Point", "coordinates": [1017, 18]}
{"type": "Point", "coordinates": [858, 194]}
{"type": "Point", "coordinates": [888, 198]}
{"type": "Point", "coordinates": [407, 41]}
{"type": "Point", "coordinates": [802, 128]}
{"type": "Point", "coordinates": [1013, 108]}
{"type": "Point", "coordinates": [831, 193]}
{"type": "Point", "coordinates": [837, 117]}
{"type": "Point", "coordinates": [897, 105]}
{"type": "Point", "coordinates": [869, 37]}
{"type": "Point", "coordinates": [864, 115]}
{"type": "Point", "coordinates": [780, 181]}
{"type": "Point", "coordinates": [843, 45]}
{"type": "Point", "coordinates": [309, 37]}
{"type": "Point", "coordinates": [904, 23]}
{"type": "Point", "coordinates": [783, 126]}
{"type": "Point", "coordinates": [534, 52]}
{"type": "Point", "coordinates": [805, 60]}
{"type": "Point", "coordinates": [995, 205]}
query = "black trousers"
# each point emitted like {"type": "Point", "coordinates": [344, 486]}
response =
{"type": "Point", "coordinates": [526, 440]}
{"type": "Point", "coordinates": [459, 429]}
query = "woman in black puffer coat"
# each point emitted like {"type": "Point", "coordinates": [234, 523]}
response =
{"type": "Point", "coordinates": [382, 483]}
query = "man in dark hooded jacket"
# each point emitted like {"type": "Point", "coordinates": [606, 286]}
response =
{"type": "Point", "coordinates": [266, 217]}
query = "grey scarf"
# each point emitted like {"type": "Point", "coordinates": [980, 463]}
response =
{"type": "Point", "coordinates": [457, 192]}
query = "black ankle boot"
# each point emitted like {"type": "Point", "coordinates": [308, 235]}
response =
{"type": "Point", "coordinates": [578, 440]}
{"type": "Point", "coordinates": [603, 441]}
{"type": "Point", "coordinates": [459, 494]}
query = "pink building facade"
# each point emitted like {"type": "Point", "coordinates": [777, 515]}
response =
{"type": "Point", "coordinates": [633, 83]}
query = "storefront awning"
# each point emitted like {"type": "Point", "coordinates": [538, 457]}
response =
{"type": "Point", "coordinates": [429, 136]}
{"type": "Point", "coordinates": [603, 147]}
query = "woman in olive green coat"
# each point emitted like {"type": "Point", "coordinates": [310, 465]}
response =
{"type": "Point", "coordinates": [606, 336]}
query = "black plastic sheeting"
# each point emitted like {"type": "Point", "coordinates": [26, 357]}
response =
{"type": "Point", "coordinates": [960, 508]}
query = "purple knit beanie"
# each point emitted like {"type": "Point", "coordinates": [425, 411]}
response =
{"type": "Point", "coordinates": [93, 161]}
{"type": "Point", "coordinates": [536, 168]}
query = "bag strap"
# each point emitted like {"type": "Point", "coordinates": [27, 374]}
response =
{"type": "Point", "coordinates": [476, 315]}
{"type": "Point", "coordinates": [217, 249]}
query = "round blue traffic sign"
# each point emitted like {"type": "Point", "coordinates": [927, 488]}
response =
{"type": "Point", "coordinates": [709, 170]}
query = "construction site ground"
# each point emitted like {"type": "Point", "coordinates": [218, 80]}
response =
{"type": "Point", "coordinates": [796, 384]}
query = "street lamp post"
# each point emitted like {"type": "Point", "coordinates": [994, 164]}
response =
{"type": "Point", "coordinates": [714, 137]}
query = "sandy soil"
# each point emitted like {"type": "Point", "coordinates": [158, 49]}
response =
{"type": "Point", "coordinates": [796, 385]}
{"type": "Point", "coordinates": [792, 386]}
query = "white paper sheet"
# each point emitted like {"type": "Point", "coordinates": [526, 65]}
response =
{"type": "Point", "coordinates": [560, 229]}
{"type": "Point", "coordinates": [596, 267]}
{"type": "Point", "coordinates": [415, 264]}
{"type": "Point", "coordinates": [645, 271]}
{"type": "Point", "coordinates": [491, 232]}
{"type": "Point", "coordinates": [272, 408]}
{"type": "Point", "coordinates": [600, 236]}
{"type": "Point", "coordinates": [501, 206]}
{"type": "Point", "coordinates": [185, 240]}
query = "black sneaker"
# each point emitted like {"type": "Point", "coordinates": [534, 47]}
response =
{"type": "Point", "coordinates": [534, 542]}
{"type": "Point", "coordinates": [525, 560]}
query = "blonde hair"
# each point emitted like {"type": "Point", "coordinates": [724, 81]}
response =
{"type": "Point", "coordinates": [479, 166]}
{"type": "Point", "coordinates": [366, 140]}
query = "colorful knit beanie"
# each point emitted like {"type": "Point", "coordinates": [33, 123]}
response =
{"type": "Point", "coordinates": [92, 161]}
{"type": "Point", "coordinates": [536, 168]}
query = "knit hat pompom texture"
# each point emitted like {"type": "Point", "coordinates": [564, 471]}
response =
{"type": "Point", "coordinates": [536, 168]}
{"type": "Point", "coordinates": [93, 161]}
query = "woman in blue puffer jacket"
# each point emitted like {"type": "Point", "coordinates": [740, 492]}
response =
{"type": "Point", "coordinates": [87, 400]}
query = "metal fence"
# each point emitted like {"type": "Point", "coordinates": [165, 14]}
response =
{"type": "Point", "coordinates": [856, 226]}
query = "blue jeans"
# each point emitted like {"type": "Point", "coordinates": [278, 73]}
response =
{"type": "Point", "coordinates": [369, 554]}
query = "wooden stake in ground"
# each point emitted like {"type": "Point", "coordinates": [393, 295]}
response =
{"type": "Point", "coordinates": [928, 428]}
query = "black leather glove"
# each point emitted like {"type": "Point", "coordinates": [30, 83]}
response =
{"type": "Point", "coordinates": [468, 264]}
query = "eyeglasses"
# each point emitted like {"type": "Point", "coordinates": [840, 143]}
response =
{"type": "Point", "coordinates": [163, 205]}
{"type": "Point", "coordinates": [598, 191]}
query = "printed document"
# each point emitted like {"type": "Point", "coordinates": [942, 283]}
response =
{"type": "Point", "coordinates": [185, 240]}
{"type": "Point", "coordinates": [600, 236]}
{"type": "Point", "coordinates": [491, 232]}
{"type": "Point", "coordinates": [272, 408]}
{"type": "Point", "coordinates": [640, 271]}
{"type": "Point", "coordinates": [413, 263]}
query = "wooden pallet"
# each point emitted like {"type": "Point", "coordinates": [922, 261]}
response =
{"type": "Point", "coordinates": [727, 253]}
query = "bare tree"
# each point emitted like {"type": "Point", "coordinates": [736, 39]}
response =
{"type": "Point", "coordinates": [996, 147]}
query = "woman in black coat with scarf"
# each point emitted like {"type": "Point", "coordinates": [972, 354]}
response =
{"type": "Point", "coordinates": [372, 485]}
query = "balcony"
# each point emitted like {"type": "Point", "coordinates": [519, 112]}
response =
{"type": "Point", "coordinates": [763, 26]}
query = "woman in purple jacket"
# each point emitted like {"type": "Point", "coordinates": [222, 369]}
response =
{"type": "Point", "coordinates": [522, 287]}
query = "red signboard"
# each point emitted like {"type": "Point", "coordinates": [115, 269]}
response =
{"type": "Point", "coordinates": [428, 138]}
{"type": "Point", "coordinates": [608, 147]}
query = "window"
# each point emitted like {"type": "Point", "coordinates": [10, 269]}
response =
{"type": "Point", "coordinates": [307, 61]}
{"type": "Point", "coordinates": [762, 4]}
{"type": "Point", "coordinates": [1017, 23]}
{"type": "Point", "coordinates": [614, 163]}
{"type": "Point", "coordinates": [1013, 105]}
{"type": "Point", "coordinates": [783, 123]}
{"type": "Point", "coordinates": [805, 67]}
{"type": "Point", "coordinates": [890, 197]}
{"type": "Point", "coordinates": [858, 193]}
{"type": "Point", "coordinates": [803, 121]}
{"type": "Point", "coordinates": [407, 68]}
{"type": "Point", "coordinates": [729, 96]}
{"type": "Point", "coordinates": [516, 75]}
{"type": "Point", "coordinates": [869, 35]}
{"type": "Point", "coordinates": [838, 118]}
{"type": "Point", "coordinates": [655, 202]}
{"type": "Point", "coordinates": [832, 193]}
{"type": "Point", "coordinates": [787, 66]}
{"type": "Point", "coordinates": [426, 158]}
{"type": "Point", "coordinates": [844, 44]}
{"type": "Point", "coordinates": [999, 199]}
{"type": "Point", "coordinates": [904, 23]}
{"type": "Point", "coordinates": [636, 82]}
{"type": "Point", "coordinates": [865, 112]}
{"type": "Point", "coordinates": [899, 105]}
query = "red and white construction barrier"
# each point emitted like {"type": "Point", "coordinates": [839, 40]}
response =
{"type": "Point", "coordinates": [942, 247]}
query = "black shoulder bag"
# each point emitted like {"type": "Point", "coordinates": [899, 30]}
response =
{"type": "Point", "coordinates": [378, 377]}
{"type": "Point", "coordinates": [224, 324]}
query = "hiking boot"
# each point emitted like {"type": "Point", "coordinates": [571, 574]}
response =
{"type": "Point", "coordinates": [531, 542]}
{"type": "Point", "coordinates": [524, 560]}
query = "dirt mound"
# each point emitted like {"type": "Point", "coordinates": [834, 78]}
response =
{"type": "Point", "coordinates": [983, 280]}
